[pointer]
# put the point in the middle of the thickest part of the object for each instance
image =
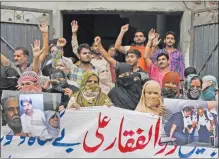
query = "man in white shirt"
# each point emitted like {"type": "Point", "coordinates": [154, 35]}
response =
{"type": "Point", "coordinates": [98, 61]}
{"type": "Point", "coordinates": [33, 120]}
{"type": "Point", "coordinates": [205, 123]}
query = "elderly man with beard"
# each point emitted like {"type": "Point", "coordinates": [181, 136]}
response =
{"type": "Point", "coordinates": [33, 120]}
{"type": "Point", "coordinates": [12, 117]}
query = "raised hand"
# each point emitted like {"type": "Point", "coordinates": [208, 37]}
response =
{"type": "Point", "coordinates": [125, 28]}
{"type": "Point", "coordinates": [36, 48]}
{"type": "Point", "coordinates": [151, 34]}
{"type": "Point", "coordinates": [74, 26]}
{"type": "Point", "coordinates": [156, 40]}
{"type": "Point", "coordinates": [43, 27]}
{"type": "Point", "coordinates": [61, 42]}
{"type": "Point", "coordinates": [97, 40]}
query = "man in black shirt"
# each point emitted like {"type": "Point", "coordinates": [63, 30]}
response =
{"type": "Point", "coordinates": [177, 125]}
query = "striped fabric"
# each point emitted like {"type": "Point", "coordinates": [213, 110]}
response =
{"type": "Point", "coordinates": [176, 61]}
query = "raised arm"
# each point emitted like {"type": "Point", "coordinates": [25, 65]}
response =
{"type": "Point", "coordinates": [74, 42]}
{"type": "Point", "coordinates": [118, 44]}
{"type": "Point", "coordinates": [147, 54]}
{"type": "Point", "coordinates": [36, 55]}
{"type": "Point", "coordinates": [61, 42]}
{"type": "Point", "coordinates": [4, 60]}
{"type": "Point", "coordinates": [44, 29]}
{"type": "Point", "coordinates": [155, 43]}
{"type": "Point", "coordinates": [103, 52]}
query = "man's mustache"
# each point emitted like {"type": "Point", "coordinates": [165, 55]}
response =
{"type": "Point", "coordinates": [16, 117]}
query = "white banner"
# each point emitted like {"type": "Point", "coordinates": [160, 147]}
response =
{"type": "Point", "coordinates": [102, 132]}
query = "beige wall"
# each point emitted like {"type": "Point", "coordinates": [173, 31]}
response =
{"type": "Point", "coordinates": [57, 7]}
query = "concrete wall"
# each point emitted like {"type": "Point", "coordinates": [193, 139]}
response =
{"type": "Point", "coordinates": [185, 31]}
{"type": "Point", "coordinates": [58, 6]}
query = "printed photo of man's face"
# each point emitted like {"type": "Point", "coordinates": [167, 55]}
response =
{"type": "Point", "coordinates": [27, 107]}
{"type": "Point", "coordinates": [12, 113]}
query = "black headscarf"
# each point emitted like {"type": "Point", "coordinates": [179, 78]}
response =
{"type": "Point", "coordinates": [127, 92]}
{"type": "Point", "coordinates": [122, 67]}
{"type": "Point", "coordinates": [8, 79]}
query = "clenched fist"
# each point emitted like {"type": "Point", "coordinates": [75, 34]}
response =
{"type": "Point", "coordinates": [125, 28]}
{"type": "Point", "coordinates": [61, 42]}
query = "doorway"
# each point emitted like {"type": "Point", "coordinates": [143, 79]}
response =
{"type": "Point", "coordinates": [107, 24]}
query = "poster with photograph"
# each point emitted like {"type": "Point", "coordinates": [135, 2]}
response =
{"type": "Point", "coordinates": [30, 115]}
{"type": "Point", "coordinates": [189, 122]}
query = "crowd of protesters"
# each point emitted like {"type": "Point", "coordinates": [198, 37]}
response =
{"type": "Point", "coordinates": [140, 83]}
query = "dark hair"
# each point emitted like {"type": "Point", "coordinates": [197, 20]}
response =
{"type": "Point", "coordinates": [188, 108]}
{"type": "Point", "coordinates": [82, 46]}
{"type": "Point", "coordinates": [141, 31]}
{"type": "Point", "coordinates": [193, 78]}
{"type": "Point", "coordinates": [188, 71]}
{"type": "Point", "coordinates": [25, 51]}
{"type": "Point", "coordinates": [196, 78]}
{"type": "Point", "coordinates": [134, 51]}
{"type": "Point", "coordinates": [57, 71]}
{"type": "Point", "coordinates": [170, 33]}
{"type": "Point", "coordinates": [28, 99]}
{"type": "Point", "coordinates": [111, 46]}
{"type": "Point", "coordinates": [163, 54]}
{"type": "Point", "coordinates": [53, 41]}
{"type": "Point", "coordinates": [46, 71]}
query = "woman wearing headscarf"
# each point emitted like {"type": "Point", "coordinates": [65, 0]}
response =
{"type": "Point", "coordinates": [151, 100]}
{"type": "Point", "coordinates": [170, 85]}
{"type": "Point", "coordinates": [127, 91]}
{"type": "Point", "coordinates": [192, 87]}
{"type": "Point", "coordinates": [105, 82]}
{"type": "Point", "coordinates": [209, 88]}
{"type": "Point", "coordinates": [8, 79]}
{"type": "Point", "coordinates": [52, 123]}
{"type": "Point", "coordinates": [29, 81]}
{"type": "Point", "coordinates": [90, 93]}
